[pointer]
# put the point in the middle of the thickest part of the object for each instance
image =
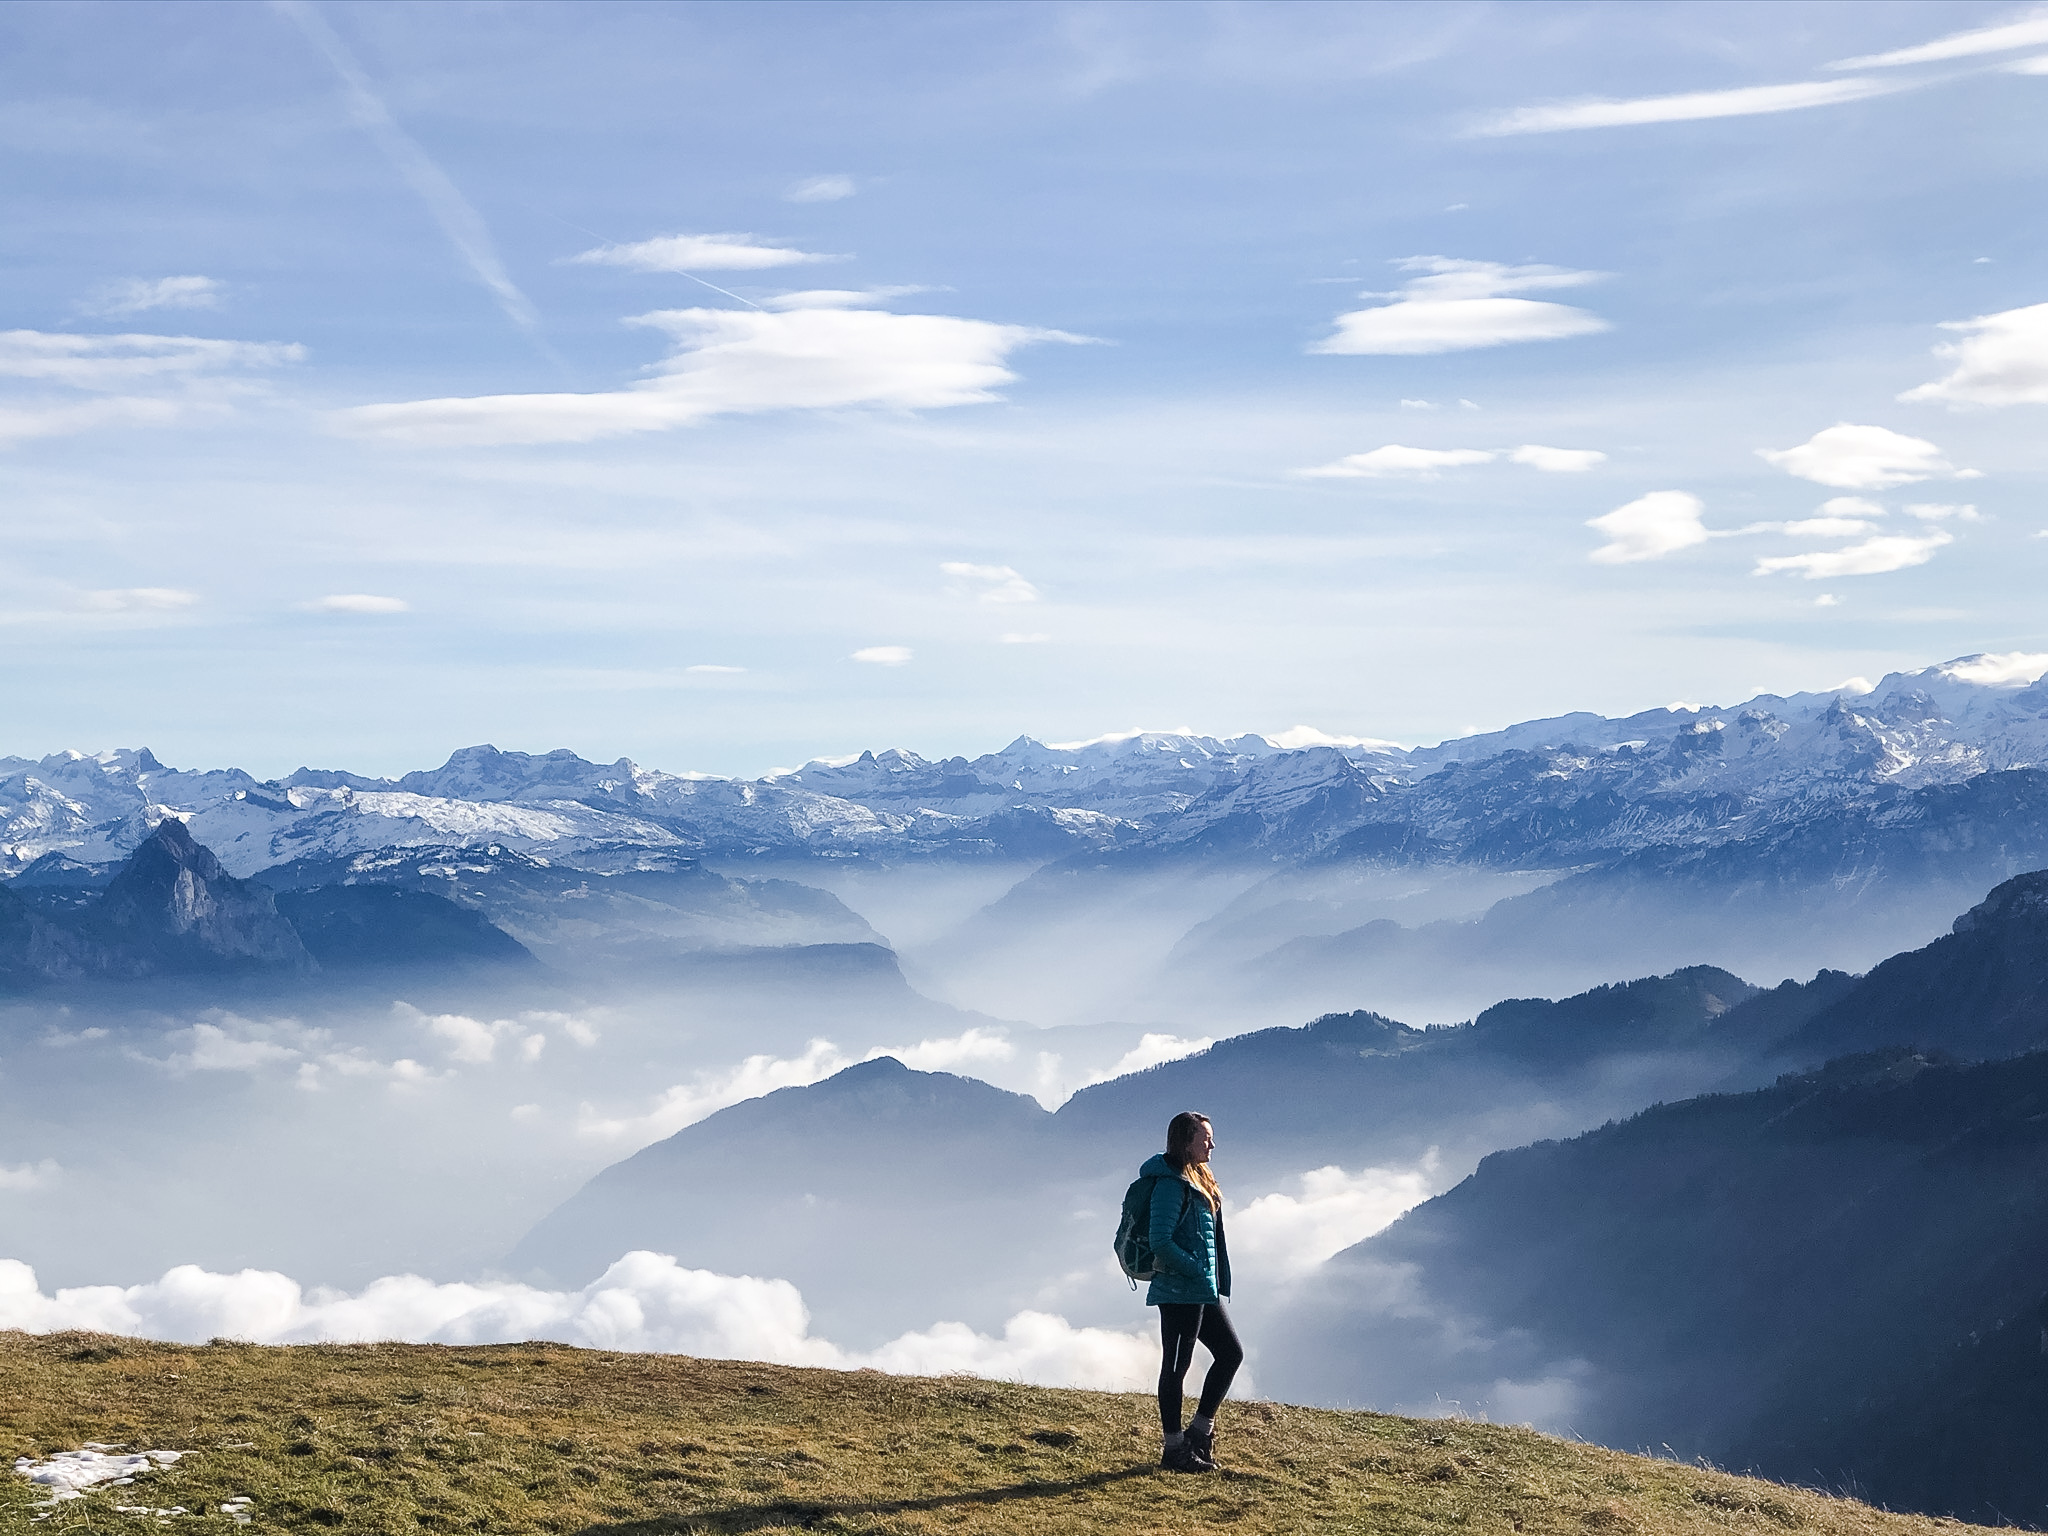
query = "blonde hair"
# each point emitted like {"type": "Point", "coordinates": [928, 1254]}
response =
{"type": "Point", "coordinates": [1180, 1135]}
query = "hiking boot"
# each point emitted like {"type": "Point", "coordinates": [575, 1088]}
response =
{"type": "Point", "coordinates": [1182, 1458]}
{"type": "Point", "coordinates": [1201, 1444]}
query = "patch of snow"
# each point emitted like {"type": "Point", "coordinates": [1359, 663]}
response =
{"type": "Point", "coordinates": [73, 1474]}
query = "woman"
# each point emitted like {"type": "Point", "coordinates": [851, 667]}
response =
{"type": "Point", "coordinates": [1191, 1278]}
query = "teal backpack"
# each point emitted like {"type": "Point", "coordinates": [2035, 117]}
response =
{"type": "Point", "coordinates": [1134, 1228]}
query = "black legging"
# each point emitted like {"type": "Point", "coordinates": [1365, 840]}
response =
{"type": "Point", "coordinates": [1181, 1325]}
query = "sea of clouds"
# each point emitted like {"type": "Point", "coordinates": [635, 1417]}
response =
{"type": "Point", "coordinates": [644, 1302]}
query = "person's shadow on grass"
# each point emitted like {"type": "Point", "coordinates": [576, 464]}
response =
{"type": "Point", "coordinates": [805, 1513]}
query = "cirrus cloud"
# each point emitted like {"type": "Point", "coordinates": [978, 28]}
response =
{"type": "Point", "coordinates": [884, 655]}
{"type": "Point", "coordinates": [1861, 458]}
{"type": "Point", "coordinates": [134, 295]}
{"type": "Point", "coordinates": [140, 379]}
{"type": "Point", "coordinates": [738, 361]}
{"type": "Point", "coordinates": [1456, 306]}
{"type": "Point", "coordinates": [108, 363]}
{"type": "Point", "coordinates": [2029, 31]}
{"type": "Point", "coordinates": [1685, 106]}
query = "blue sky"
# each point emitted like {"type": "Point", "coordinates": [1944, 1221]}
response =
{"type": "Point", "coordinates": [728, 385]}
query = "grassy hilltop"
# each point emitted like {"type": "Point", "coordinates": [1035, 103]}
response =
{"type": "Point", "coordinates": [544, 1438]}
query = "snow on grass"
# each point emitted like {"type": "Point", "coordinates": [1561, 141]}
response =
{"type": "Point", "coordinates": [72, 1474]}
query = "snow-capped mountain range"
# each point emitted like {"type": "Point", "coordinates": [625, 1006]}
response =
{"type": "Point", "coordinates": [1545, 793]}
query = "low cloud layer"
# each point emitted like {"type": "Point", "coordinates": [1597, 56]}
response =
{"type": "Point", "coordinates": [1456, 306]}
{"type": "Point", "coordinates": [646, 1302]}
{"type": "Point", "coordinates": [1290, 1235]}
{"type": "Point", "coordinates": [738, 361]}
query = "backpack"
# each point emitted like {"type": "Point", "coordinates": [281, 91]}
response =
{"type": "Point", "coordinates": [1134, 1228]}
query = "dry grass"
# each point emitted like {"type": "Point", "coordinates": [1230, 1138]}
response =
{"type": "Point", "coordinates": [543, 1438]}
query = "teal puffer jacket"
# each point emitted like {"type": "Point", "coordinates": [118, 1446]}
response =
{"type": "Point", "coordinates": [1187, 1240]}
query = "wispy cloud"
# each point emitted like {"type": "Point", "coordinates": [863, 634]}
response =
{"type": "Point", "coordinates": [107, 363]}
{"type": "Point", "coordinates": [884, 655]}
{"type": "Point", "coordinates": [1397, 460]}
{"type": "Point", "coordinates": [460, 222]}
{"type": "Point", "coordinates": [1873, 557]}
{"type": "Point", "coordinates": [841, 298]}
{"type": "Point", "coordinates": [711, 669]}
{"type": "Point", "coordinates": [1456, 305]}
{"type": "Point", "coordinates": [2002, 359]}
{"type": "Point", "coordinates": [733, 361]}
{"type": "Point", "coordinates": [1862, 458]}
{"type": "Point", "coordinates": [138, 600]}
{"type": "Point", "coordinates": [29, 1175]}
{"type": "Point", "coordinates": [1020, 638]}
{"type": "Point", "coordinates": [358, 602]}
{"type": "Point", "coordinates": [1650, 527]}
{"type": "Point", "coordinates": [142, 379]}
{"type": "Point", "coordinates": [2029, 31]}
{"type": "Point", "coordinates": [136, 294]}
{"type": "Point", "coordinates": [1841, 517]}
{"type": "Point", "coordinates": [821, 189]}
{"type": "Point", "coordinates": [991, 583]}
{"type": "Point", "coordinates": [698, 253]}
{"type": "Point", "coordinates": [1685, 106]}
{"type": "Point", "coordinates": [1558, 461]}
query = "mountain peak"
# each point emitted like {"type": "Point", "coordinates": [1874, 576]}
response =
{"type": "Point", "coordinates": [173, 907]}
{"type": "Point", "coordinates": [2020, 899]}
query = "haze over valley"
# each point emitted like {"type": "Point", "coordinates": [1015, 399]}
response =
{"type": "Point", "coordinates": [672, 672]}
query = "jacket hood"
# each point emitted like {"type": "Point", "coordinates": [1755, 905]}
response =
{"type": "Point", "coordinates": [1157, 1167]}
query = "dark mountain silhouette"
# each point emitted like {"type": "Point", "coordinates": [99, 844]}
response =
{"type": "Point", "coordinates": [1980, 992]}
{"type": "Point", "coordinates": [866, 1188]}
{"type": "Point", "coordinates": [172, 911]}
{"type": "Point", "coordinates": [1763, 1279]}
{"type": "Point", "coordinates": [606, 907]}
{"type": "Point", "coordinates": [1358, 1087]}
{"type": "Point", "coordinates": [855, 1187]}
{"type": "Point", "coordinates": [348, 927]}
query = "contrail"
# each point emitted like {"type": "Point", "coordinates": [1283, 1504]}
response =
{"type": "Point", "coordinates": [461, 223]}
